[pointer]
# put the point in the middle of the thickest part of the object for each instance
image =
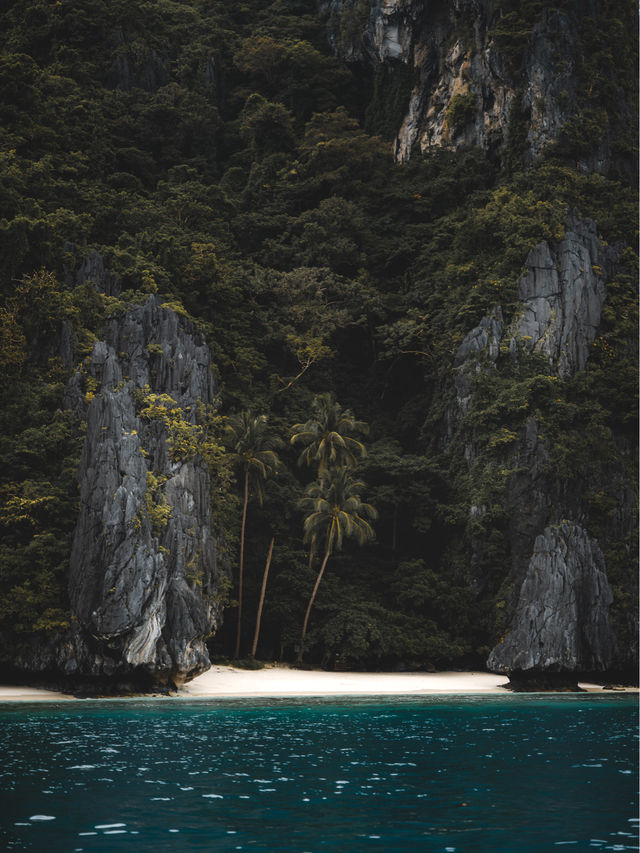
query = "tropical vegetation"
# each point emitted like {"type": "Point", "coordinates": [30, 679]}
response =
{"type": "Point", "coordinates": [223, 157]}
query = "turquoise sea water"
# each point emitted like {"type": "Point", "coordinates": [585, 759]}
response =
{"type": "Point", "coordinates": [508, 773]}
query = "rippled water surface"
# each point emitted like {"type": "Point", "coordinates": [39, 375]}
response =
{"type": "Point", "coordinates": [509, 773]}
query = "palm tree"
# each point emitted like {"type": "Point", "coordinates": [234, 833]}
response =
{"type": "Point", "coordinates": [263, 590]}
{"type": "Point", "coordinates": [328, 437]}
{"type": "Point", "coordinates": [336, 511]}
{"type": "Point", "coordinates": [254, 450]}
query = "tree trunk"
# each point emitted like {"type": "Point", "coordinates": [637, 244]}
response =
{"type": "Point", "coordinates": [310, 605]}
{"type": "Point", "coordinates": [394, 534]}
{"type": "Point", "coordinates": [236, 653]}
{"type": "Point", "coordinates": [261, 602]}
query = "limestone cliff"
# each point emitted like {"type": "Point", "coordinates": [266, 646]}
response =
{"type": "Point", "coordinates": [562, 294]}
{"type": "Point", "coordinates": [560, 593]}
{"type": "Point", "coordinates": [561, 622]}
{"type": "Point", "coordinates": [146, 574]}
{"type": "Point", "coordinates": [481, 77]}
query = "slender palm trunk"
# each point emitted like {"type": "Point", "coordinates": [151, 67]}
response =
{"type": "Point", "coordinates": [310, 605]}
{"type": "Point", "coordinates": [236, 653]}
{"type": "Point", "coordinates": [261, 602]}
{"type": "Point", "coordinates": [394, 535]}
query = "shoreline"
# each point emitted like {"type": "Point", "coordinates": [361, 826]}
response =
{"type": "Point", "coordinates": [275, 681]}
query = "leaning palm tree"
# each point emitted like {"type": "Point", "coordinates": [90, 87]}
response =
{"type": "Point", "coordinates": [336, 512]}
{"type": "Point", "coordinates": [328, 436]}
{"type": "Point", "coordinates": [253, 445]}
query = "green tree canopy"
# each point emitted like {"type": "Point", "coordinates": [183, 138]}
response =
{"type": "Point", "coordinates": [328, 436]}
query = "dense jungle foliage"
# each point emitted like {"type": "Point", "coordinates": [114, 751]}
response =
{"type": "Point", "coordinates": [218, 154]}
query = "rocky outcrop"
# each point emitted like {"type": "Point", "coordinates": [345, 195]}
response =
{"type": "Point", "coordinates": [557, 593]}
{"type": "Point", "coordinates": [561, 296]}
{"type": "Point", "coordinates": [561, 622]}
{"type": "Point", "coordinates": [463, 98]}
{"type": "Point", "coordinates": [92, 271]}
{"type": "Point", "coordinates": [145, 572]}
{"type": "Point", "coordinates": [374, 30]}
{"type": "Point", "coordinates": [137, 64]}
{"type": "Point", "coordinates": [563, 293]}
{"type": "Point", "coordinates": [480, 348]}
{"type": "Point", "coordinates": [478, 82]}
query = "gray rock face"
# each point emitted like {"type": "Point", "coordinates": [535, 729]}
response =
{"type": "Point", "coordinates": [549, 71]}
{"type": "Point", "coordinates": [92, 270]}
{"type": "Point", "coordinates": [559, 597]}
{"type": "Point", "coordinates": [563, 293]}
{"type": "Point", "coordinates": [561, 622]}
{"type": "Point", "coordinates": [144, 573]}
{"type": "Point", "coordinates": [456, 56]}
{"type": "Point", "coordinates": [381, 31]}
{"type": "Point", "coordinates": [480, 347]}
{"type": "Point", "coordinates": [138, 65]}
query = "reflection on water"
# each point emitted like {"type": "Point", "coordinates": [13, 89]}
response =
{"type": "Point", "coordinates": [525, 773]}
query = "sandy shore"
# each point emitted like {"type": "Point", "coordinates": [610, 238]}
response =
{"type": "Point", "coordinates": [275, 681]}
{"type": "Point", "coordinates": [282, 681]}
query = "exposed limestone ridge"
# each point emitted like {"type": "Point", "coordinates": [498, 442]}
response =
{"type": "Point", "coordinates": [462, 98]}
{"type": "Point", "coordinates": [393, 33]}
{"type": "Point", "coordinates": [549, 71]}
{"type": "Point", "coordinates": [561, 622]}
{"type": "Point", "coordinates": [372, 30]}
{"type": "Point", "coordinates": [561, 296]}
{"type": "Point", "coordinates": [144, 570]}
{"type": "Point", "coordinates": [468, 93]}
{"type": "Point", "coordinates": [92, 270]}
{"type": "Point", "coordinates": [484, 340]}
{"type": "Point", "coordinates": [563, 293]}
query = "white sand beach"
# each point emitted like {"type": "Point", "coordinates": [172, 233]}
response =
{"type": "Point", "coordinates": [284, 681]}
{"type": "Point", "coordinates": [276, 681]}
{"type": "Point", "coordinates": [20, 693]}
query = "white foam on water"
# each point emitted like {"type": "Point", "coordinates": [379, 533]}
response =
{"type": "Point", "coordinates": [115, 832]}
{"type": "Point", "coordinates": [42, 817]}
{"type": "Point", "coordinates": [108, 825]}
{"type": "Point", "coordinates": [87, 833]}
{"type": "Point", "coordinates": [82, 767]}
{"type": "Point", "coordinates": [214, 796]}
